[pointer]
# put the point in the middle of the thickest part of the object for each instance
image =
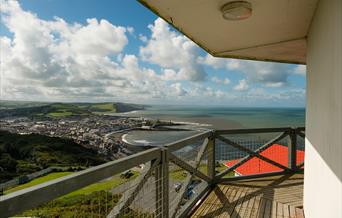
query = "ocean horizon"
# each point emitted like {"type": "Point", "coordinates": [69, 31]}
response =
{"type": "Point", "coordinates": [201, 118]}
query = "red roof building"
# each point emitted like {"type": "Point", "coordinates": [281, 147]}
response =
{"type": "Point", "coordinates": [276, 152]}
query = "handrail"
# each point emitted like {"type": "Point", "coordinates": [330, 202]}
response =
{"type": "Point", "coordinates": [19, 201]}
{"type": "Point", "coordinates": [258, 130]}
{"type": "Point", "coordinates": [160, 157]}
{"type": "Point", "coordinates": [173, 146]}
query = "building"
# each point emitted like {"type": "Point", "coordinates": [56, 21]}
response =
{"type": "Point", "coordinates": [289, 31]}
{"type": "Point", "coordinates": [255, 165]}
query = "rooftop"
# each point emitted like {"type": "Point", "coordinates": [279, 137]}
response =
{"type": "Point", "coordinates": [276, 152]}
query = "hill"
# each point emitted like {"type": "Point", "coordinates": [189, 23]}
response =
{"type": "Point", "coordinates": [24, 154]}
{"type": "Point", "coordinates": [59, 110]}
{"type": "Point", "coordinates": [108, 107]}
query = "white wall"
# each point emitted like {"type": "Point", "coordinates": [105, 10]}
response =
{"type": "Point", "coordinates": [323, 155]}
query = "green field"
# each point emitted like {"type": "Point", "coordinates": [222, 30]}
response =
{"type": "Point", "coordinates": [104, 107]}
{"type": "Point", "coordinates": [60, 110]}
{"type": "Point", "coordinates": [101, 186]}
{"type": "Point", "coordinates": [92, 200]}
{"type": "Point", "coordinates": [60, 114]}
{"type": "Point", "coordinates": [38, 181]}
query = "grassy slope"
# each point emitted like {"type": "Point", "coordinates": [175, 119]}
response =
{"type": "Point", "coordinates": [38, 181]}
{"type": "Point", "coordinates": [100, 186]}
{"type": "Point", "coordinates": [60, 110]}
{"type": "Point", "coordinates": [105, 107]}
{"type": "Point", "coordinates": [24, 154]}
{"type": "Point", "coordinates": [88, 201]}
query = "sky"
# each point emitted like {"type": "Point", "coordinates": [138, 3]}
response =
{"type": "Point", "coordinates": [114, 50]}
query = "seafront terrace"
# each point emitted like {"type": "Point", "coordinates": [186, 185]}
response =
{"type": "Point", "coordinates": [215, 173]}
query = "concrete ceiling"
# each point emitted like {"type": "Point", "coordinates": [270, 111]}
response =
{"type": "Point", "coordinates": [276, 31]}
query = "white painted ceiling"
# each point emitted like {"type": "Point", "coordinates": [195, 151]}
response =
{"type": "Point", "coordinates": [276, 31]}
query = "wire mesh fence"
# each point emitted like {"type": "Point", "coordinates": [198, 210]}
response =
{"type": "Point", "coordinates": [170, 180]}
{"type": "Point", "coordinates": [132, 193]}
{"type": "Point", "coordinates": [139, 197]}
{"type": "Point", "coordinates": [278, 152]}
{"type": "Point", "coordinates": [184, 185]}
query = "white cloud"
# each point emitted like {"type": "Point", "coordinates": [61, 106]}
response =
{"type": "Point", "coordinates": [226, 81]}
{"type": "Point", "coordinates": [178, 90]}
{"type": "Point", "coordinates": [241, 86]}
{"type": "Point", "coordinates": [171, 50]}
{"type": "Point", "coordinates": [300, 70]}
{"type": "Point", "coordinates": [217, 63]}
{"type": "Point", "coordinates": [266, 73]}
{"type": "Point", "coordinates": [285, 95]}
{"type": "Point", "coordinates": [143, 38]}
{"type": "Point", "coordinates": [217, 80]}
{"type": "Point", "coordinates": [56, 60]}
{"type": "Point", "coordinates": [130, 29]}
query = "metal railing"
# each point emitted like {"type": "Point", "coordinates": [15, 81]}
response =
{"type": "Point", "coordinates": [177, 175]}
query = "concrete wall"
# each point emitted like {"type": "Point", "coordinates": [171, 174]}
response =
{"type": "Point", "coordinates": [323, 160]}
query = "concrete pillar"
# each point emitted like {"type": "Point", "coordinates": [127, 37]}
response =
{"type": "Point", "coordinates": [323, 155]}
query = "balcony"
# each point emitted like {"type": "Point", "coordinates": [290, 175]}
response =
{"type": "Point", "coordinates": [221, 173]}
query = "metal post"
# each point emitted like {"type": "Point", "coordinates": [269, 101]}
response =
{"type": "Point", "coordinates": [211, 157]}
{"type": "Point", "coordinates": [162, 186]}
{"type": "Point", "coordinates": [292, 153]}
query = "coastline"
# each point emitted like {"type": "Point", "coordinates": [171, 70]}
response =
{"type": "Point", "coordinates": [209, 122]}
{"type": "Point", "coordinates": [199, 120]}
{"type": "Point", "coordinates": [142, 139]}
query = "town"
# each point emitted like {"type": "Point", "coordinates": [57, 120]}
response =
{"type": "Point", "coordinates": [96, 131]}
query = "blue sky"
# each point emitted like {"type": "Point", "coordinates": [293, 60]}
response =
{"type": "Point", "coordinates": [86, 50]}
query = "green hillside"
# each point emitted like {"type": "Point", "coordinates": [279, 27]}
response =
{"type": "Point", "coordinates": [24, 154]}
{"type": "Point", "coordinates": [60, 110]}
{"type": "Point", "coordinates": [108, 107]}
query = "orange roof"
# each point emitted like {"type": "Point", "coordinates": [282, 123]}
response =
{"type": "Point", "coordinates": [276, 152]}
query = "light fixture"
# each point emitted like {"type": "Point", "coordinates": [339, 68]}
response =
{"type": "Point", "coordinates": [236, 10]}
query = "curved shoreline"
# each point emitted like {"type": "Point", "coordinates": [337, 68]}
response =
{"type": "Point", "coordinates": [124, 140]}
{"type": "Point", "coordinates": [194, 124]}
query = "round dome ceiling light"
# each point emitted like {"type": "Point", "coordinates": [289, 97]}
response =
{"type": "Point", "coordinates": [236, 10]}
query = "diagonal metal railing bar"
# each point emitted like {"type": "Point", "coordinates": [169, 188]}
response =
{"type": "Point", "coordinates": [248, 195]}
{"type": "Point", "coordinates": [302, 129]}
{"type": "Point", "coordinates": [248, 157]}
{"type": "Point", "coordinates": [188, 167]}
{"type": "Point", "coordinates": [189, 178]}
{"type": "Point", "coordinates": [300, 165]}
{"type": "Point", "coordinates": [28, 198]}
{"type": "Point", "coordinates": [301, 134]}
{"type": "Point", "coordinates": [160, 158]}
{"type": "Point", "coordinates": [190, 205]}
{"type": "Point", "coordinates": [130, 195]}
{"type": "Point", "coordinates": [252, 153]}
{"type": "Point", "coordinates": [258, 130]}
{"type": "Point", "coordinates": [187, 141]}
{"type": "Point", "coordinates": [201, 152]}
{"type": "Point", "coordinates": [182, 191]}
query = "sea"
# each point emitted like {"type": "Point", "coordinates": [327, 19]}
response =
{"type": "Point", "coordinates": [201, 118]}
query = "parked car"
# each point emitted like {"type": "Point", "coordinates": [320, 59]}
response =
{"type": "Point", "coordinates": [178, 186]}
{"type": "Point", "coordinates": [127, 174]}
